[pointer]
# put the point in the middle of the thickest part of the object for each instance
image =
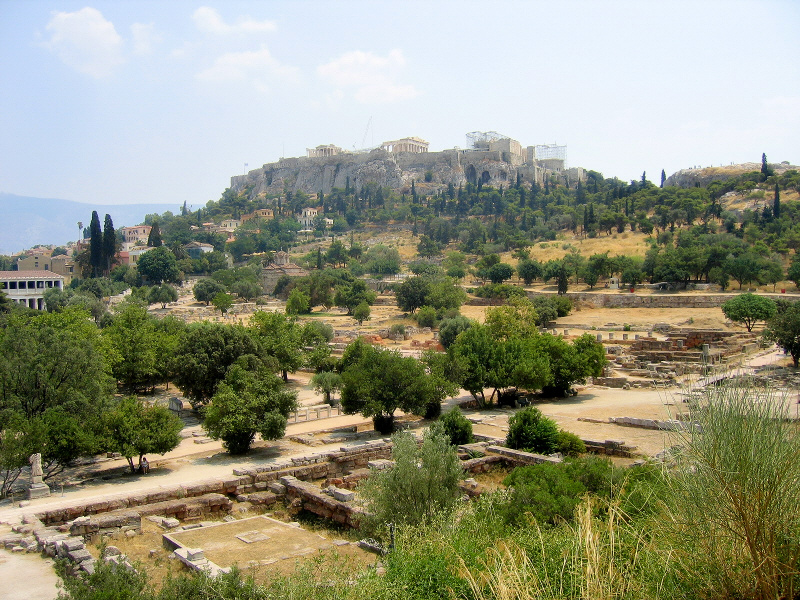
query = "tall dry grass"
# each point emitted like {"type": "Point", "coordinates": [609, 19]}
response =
{"type": "Point", "coordinates": [732, 511]}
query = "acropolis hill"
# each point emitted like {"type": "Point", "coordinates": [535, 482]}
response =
{"type": "Point", "coordinates": [491, 158]}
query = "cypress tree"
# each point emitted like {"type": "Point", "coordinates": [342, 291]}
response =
{"type": "Point", "coordinates": [95, 245]}
{"type": "Point", "coordinates": [663, 178]}
{"type": "Point", "coordinates": [109, 244]}
{"type": "Point", "coordinates": [154, 239]}
{"type": "Point", "coordinates": [764, 167]}
{"type": "Point", "coordinates": [776, 205]}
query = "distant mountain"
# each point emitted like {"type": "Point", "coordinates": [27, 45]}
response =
{"type": "Point", "coordinates": [26, 221]}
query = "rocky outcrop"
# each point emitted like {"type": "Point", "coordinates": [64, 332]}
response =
{"type": "Point", "coordinates": [391, 170]}
{"type": "Point", "coordinates": [688, 178]}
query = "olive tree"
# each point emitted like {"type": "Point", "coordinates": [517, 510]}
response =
{"type": "Point", "coordinates": [749, 309]}
{"type": "Point", "coordinates": [422, 483]}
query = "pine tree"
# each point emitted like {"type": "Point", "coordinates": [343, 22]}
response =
{"type": "Point", "coordinates": [776, 205]}
{"type": "Point", "coordinates": [154, 239]}
{"type": "Point", "coordinates": [109, 244]}
{"type": "Point", "coordinates": [663, 177]}
{"type": "Point", "coordinates": [95, 245]}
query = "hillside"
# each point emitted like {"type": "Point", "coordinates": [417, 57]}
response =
{"type": "Point", "coordinates": [687, 178]}
{"type": "Point", "coordinates": [28, 221]}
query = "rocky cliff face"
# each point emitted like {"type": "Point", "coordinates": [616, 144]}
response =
{"type": "Point", "coordinates": [396, 171]}
{"type": "Point", "coordinates": [693, 177]}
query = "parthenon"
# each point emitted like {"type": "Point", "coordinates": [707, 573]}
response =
{"type": "Point", "coordinates": [409, 144]}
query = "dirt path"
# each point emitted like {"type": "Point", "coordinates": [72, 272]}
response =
{"type": "Point", "coordinates": [27, 577]}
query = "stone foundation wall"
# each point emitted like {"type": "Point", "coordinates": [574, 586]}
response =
{"type": "Point", "coordinates": [312, 499]}
{"type": "Point", "coordinates": [182, 501]}
{"type": "Point", "coordinates": [625, 299]}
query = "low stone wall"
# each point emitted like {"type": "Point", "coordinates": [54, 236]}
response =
{"type": "Point", "coordinates": [625, 299]}
{"type": "Point", "coordinates": [610, 448]}
{"type": "Point", "coordinates": [119, 511]}
{"type": "Point", "coordinates": [520, 457]}
{"type": "Point", "coordinates": [314, 500]}
{"type": "Point", "coordinates": [185, 499]}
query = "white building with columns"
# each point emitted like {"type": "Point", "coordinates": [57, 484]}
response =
{"type": "Point", "coordinates": [28, 287]}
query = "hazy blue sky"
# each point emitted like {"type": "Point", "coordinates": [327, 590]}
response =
{"type": "Point", "coordinates": [162, 101]}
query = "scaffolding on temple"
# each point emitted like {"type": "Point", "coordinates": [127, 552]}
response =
{"type": "Point", "coordinates": [550, 151]}
{"type": "Point", "coordinates": [480, 140]}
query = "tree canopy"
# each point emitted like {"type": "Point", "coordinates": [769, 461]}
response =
{"type": "Point", "coordinates": [749, 309]}
{"type": "Point", "coordinates": [376, 383]}
{"type": "Point", "coordinates": [248, 403]}
{"type": "Point", "coordinates": [134, 429]}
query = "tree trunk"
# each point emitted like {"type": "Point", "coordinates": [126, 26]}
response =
{"type": "Point", "coordinates": [130, 463]}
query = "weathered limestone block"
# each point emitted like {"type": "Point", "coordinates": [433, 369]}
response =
{"type": "Point", "coordinates": [79, 556]}
{"type": "Point", "coordinates": [520, 457]}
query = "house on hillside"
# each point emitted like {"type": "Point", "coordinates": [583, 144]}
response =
{"type": "Point", "coordinates": [61, 265]}
{"type": "Point", "coordinates": [261, 213]}
{"type": "Point", "coordinates": [197, 249]}
{"type": "Point", "coordinates": [306, 217]}
{"type": "Point", "coordinates": [135, 235]}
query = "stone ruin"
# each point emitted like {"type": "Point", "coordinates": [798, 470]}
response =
{"type": "Point", "coordinates": [649, 359]}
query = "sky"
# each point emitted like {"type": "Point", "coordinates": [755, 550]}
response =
{"type": "Point", "coordinates": [162, 102]}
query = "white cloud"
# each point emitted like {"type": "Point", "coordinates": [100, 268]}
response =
{"type": "Point", "coordinates": [85, 41]}
{"type": "Point", "coordinates": [257, 67]}
{"type": "Point", "coordinates": [371, 77]}
{"type": "Point", "coordinates": [144, 37]}
{"type": "Point", "coordinates": [210, 21]}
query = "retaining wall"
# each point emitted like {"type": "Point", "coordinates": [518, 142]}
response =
{"type": "Point", "coordinates": [628, 300]}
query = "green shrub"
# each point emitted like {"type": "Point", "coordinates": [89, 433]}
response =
{"type": "Point", "coordinates": [426, 316]}
{"type": "Point", "coordinates": [433, 410]}
{"type": "Point", "coordinates": [531, 431]}
{"type": "Point", "coordinates": [449, 329]}
{"type": "Point", "coordinates": [562, 304]}
{"type": "Point", "coordinates": [499, 291]}
{"type": "Point", "coordinates": [422, 483]}
{"type": "Point", "coordinates": [545, 491]}
{"type": "Point", "coordinates": [570, 444]}
{"type": "Point", "coordinates": [457, 427]}
{"type": "Point", "coordinates": [550, 492]}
